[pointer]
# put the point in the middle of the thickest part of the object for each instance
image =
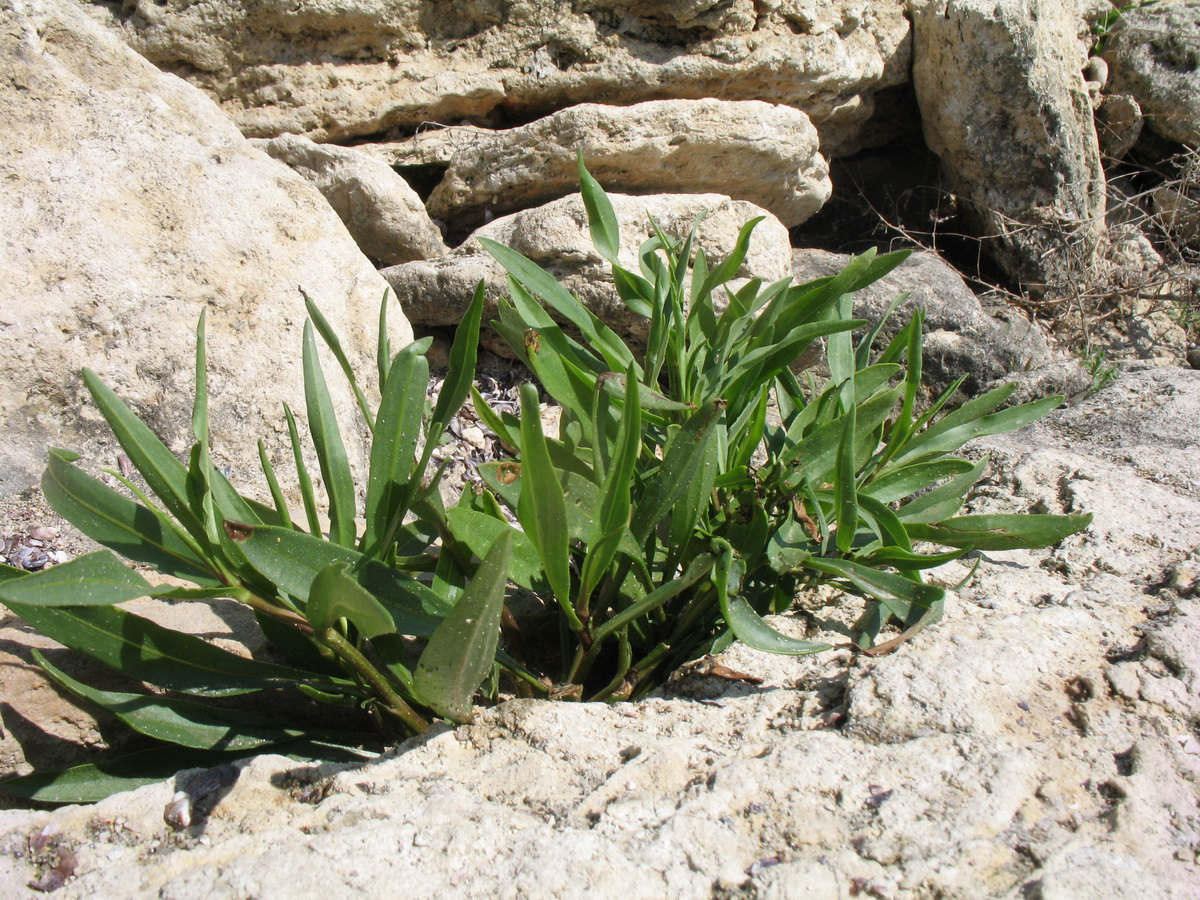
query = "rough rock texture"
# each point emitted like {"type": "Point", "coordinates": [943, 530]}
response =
{"type": "Point", "coordinates": [1154, 54]}
{"type": "Point", "coordinates": [962, 337]}
{"type": "Point", "coordinates": [1179, 212]}
{"type": "Point", "coordinates": [1040, 742]}
{"type": "Point", "coordinates": [1003, 103]}
{"type": "Point", "coordinates": [747, 150]}
{"type": "Point", "coordinates": [383, 214]}
{"type": "Point", "coordinates": [130, 204]}
{"type": "Point", "coordinates": [339, 70]}
{"type": "Point", "coordinates": [556, 237]}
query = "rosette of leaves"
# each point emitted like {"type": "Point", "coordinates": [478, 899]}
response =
{"type": "Point", "coordinates": [700, 485]}
{"type": "Point", "coordinates": [343, 608]}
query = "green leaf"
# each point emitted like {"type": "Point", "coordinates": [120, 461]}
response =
{"type": "Point", "coordinates": [93, 782]}
{"type": "Point", "coordinates": [165, 475]}
{"type": "Point", "coordinates": [898, 483]}
{"type": "Point", "coordinates": [147, 651]}
{"type": "Point", "coordinates": [281, 508]}
{"type": "Point", "coordinates": [95, 579]}
{"type": "Point", "coordinates": [183, 722]}
{"type": "Point", "coordinates": [845, 494]}
{"type": "Point", "coordinates": [897, 593]}
{"type": "Point", "coordinates": [463, 355]}
{"type": "Point", "coordinates": [602, 221]}
{"type": "Point", "coordinates": [302, 476]}
{"type": "Point", "coordinates": [329, 336]}
{"type": "Point", "coordinates": [942, 439]}
{"type": "Point", "coordinates": [682, 464]}
{"type": "Point", "coordinates": [480, 531]}
{"type": "Point", "coordinates": [613, 384]}
{"type": "Point", "coordinates": [1000, 532]}
{"type": "Point", "coordinates": [291, 560]}
{"type": "Point", "coordinates": [393, 476]}
{"type": "Point", "coordinates": [462, 651]}
{"type": "Point", "coordinates": [542, 508]}
{"type": "Point", "coordinates": [120, 524]}
{"type": "Point", "coordinates": [335, 595]}
{"type": "Point", "coordinates": [749, 626]}
{"type": "Point", "coordinates": [944, 500]}
{"type": "Point", "coordinates": [331, 452]}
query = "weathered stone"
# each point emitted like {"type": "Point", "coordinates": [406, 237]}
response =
{"type": "Point", "coordinates": [130, 205]}
{"type": "Point", "coordinates": [984, 758]}
{"type": "Point", "coordinates": [1154, 54]}
{"type": "Point", "coordinates": [335, 71]}
{"type": "Point", "coordinates": [382, 213]}
{"type": "Point", "coordinates": [747, 150]}
{"type": "Point", "coordinates": [1119, 122]}
{"type": "Point", "coordinates": [1179, 213]}
{"type": "Point", "coordinates": [1003, 103]}
{"type": "Point", "coordinates": [556, 237]}
{"type": "Point", "coordinates": [962, 337]}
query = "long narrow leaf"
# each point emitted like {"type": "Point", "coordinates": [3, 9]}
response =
{"type": "Point", "coordinates": [331, 451]}
{"type": "Point", "coordinates": [329, 336]}
{"type": "Point", "coordinates": [462, 650]}
{"type": "Point", "coordinates": [95, 579]}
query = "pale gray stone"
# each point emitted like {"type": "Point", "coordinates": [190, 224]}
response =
{"type": "Point", "coordinates": [131, 204]}
{"type": "Point", "coordinates": [747, 150]}
{"type": "Point", "coordinates": [1003, 103]}
{"type": "Point", "coordinates": [1154, 54]}
{"type": "Point", "coordinates": [337, 70]}
{"type": "Point", "coordinates": [383, 214]}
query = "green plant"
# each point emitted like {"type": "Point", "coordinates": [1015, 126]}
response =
{"type": "Point", "coordinates": [673, 510]}
{"type": "Point", "coordinates": [1104, 24]}
{"type": "Point", "coordinates": [343, 609]}
{"type": "Point", "coordinates": [1102, 371]}
{"type": "Point", "coordinates": [689, 492]}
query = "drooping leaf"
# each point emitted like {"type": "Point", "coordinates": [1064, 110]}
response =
{"type": "Point", "coordinates": [147, 651]}
{"type": "Point", "coordinates": [120, 524]}
{"type": "Point", "coordinates": [183, 722]}
{"type": "Point", "coordinates": [95, 579]}
{"type": "Point", "coordinates": [335, 595]}
{"type": "Point", "coordinates": [1000, 532]}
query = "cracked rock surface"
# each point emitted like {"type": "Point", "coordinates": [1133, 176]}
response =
{"type": "Point", "coordinates": [1039, 742]}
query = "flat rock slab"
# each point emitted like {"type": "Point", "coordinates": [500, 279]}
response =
{"type": "Point", "coordinates": [1038, 742]}
{"type": "Point", "coordinates": [762, 153]}
{"type": "Point", "coordinates": [334, 71]}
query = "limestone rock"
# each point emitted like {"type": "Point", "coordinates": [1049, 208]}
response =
{"type": "Point", "coordinates": [985, 758]}
{"type": "Point", "coordinates": [1179, 213]}
{"type": "Point", "coordinates": [1003, 103]}
{"type": "Point", "coordinates": [747, 150]}
{"type": "Point", "coordinates": [962, 337]}
{"type": "Point", "coordinates": [131, 204]}
{"type": "Point", "coordinates": [382, 213]}
{"type": "Point", "coordinates": [334, 71]}
{"type": "Point", "coordinates": [1154, 54]}
{"type": "Point", "coordinates": [556, 237]}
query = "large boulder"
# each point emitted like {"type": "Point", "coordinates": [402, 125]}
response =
{"type": "Point", "coordinates": [382, 213]}
{"type": "Point", "coordinates": [748, 150]}
{"type": "Point", "coordinates": [131, 204]}
{"type": "Point", "coordinates": [556, 236]}
{"type": "Point", "coordinates": [1153, 53]}
{"type": "Point", "coordinates": [962, 336]}
{"type": "Point", "coordinates": [337, 70]}
{"type": "Point", "coordinates": [1004, 104]}
{"type": "Point", "coordinates": [1038, 742]}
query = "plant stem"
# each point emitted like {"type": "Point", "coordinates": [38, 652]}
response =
{"type": "Point", "coordinates": [382, 687]}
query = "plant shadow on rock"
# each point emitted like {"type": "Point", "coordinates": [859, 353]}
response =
{"type": "Point", "coordinates": [694, 487]}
